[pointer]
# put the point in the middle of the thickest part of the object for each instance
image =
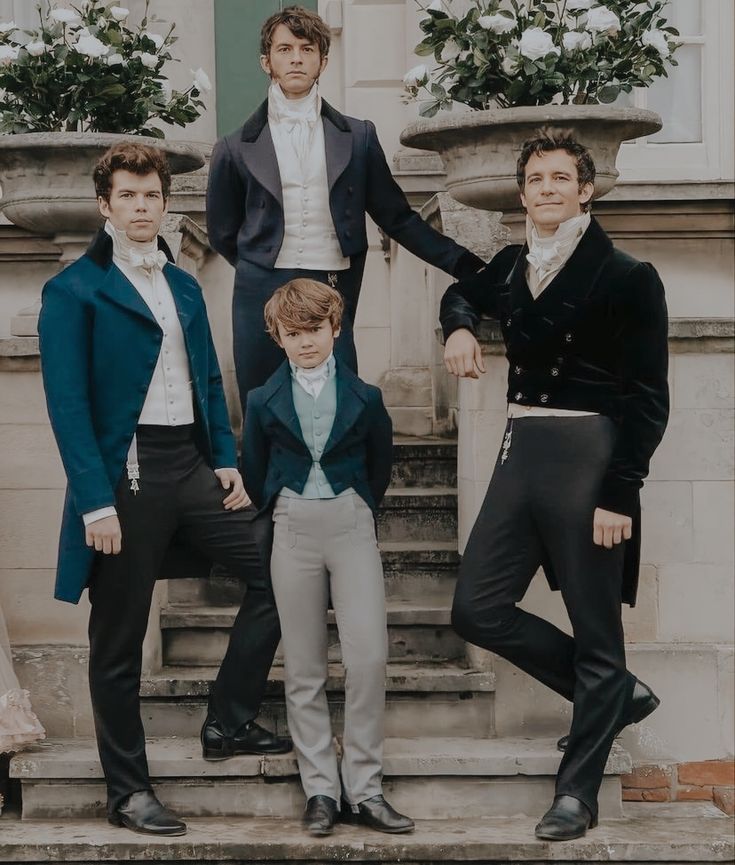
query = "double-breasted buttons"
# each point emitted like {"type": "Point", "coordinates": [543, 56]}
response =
{"type": "Point", "coordinates": [568, 337]}
{"type": "Point", "coordinates": [508, 322]}
{"type": "Point", "coordinates": [518, 396]}
{"type": "Point", "coordinates": [555, 371]}
{"type": "Point", "coordinates": [544, 397]}
{"type": "Point", "coordinates": [518, 370]}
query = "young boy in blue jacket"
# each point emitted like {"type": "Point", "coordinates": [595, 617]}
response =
{"type": "Point", "coordinates": [318, 445]}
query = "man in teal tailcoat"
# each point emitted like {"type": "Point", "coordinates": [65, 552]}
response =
{"type": "Point", "coordinates": [136, 403]}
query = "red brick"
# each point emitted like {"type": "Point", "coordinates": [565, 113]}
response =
{"type": "Point", "coordinates": [697, 794]}
{"type": "Point", "coordinates": [648, 778]}
{"type": "Point", "coordinates": [656, 795]}
{"type": "Point", "coordinates": [724, 798]}
{"type": "Point", "coordinates": [716, 773]}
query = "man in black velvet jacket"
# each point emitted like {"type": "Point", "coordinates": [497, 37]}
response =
{"type": "Point", "coordinates": [585, 330]}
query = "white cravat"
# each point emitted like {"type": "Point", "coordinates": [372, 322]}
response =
{"type": "Point", "coordinates": [298, 117]}
{"type": "Point", "coordinates": [547, 255]}
{"type": "Point", "coordinates": [313, 380]}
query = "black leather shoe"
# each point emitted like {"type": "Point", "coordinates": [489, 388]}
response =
{"type": "Point", "coordinates": [142, 812]}
{"type": "Point", "coordinates": [642, 702]}
{"type": "Point", "coordinates": [377, 814]}
{"type": "Point", "coordinates": [568, 818]}
{"type": "Point", "coordinates": [251, 738]}
{"type": "Point", "coordinates": [320, 815]}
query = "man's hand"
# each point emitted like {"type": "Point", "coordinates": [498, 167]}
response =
{"type": "Point", "coordinates": [104, 535]}
{"type": "Point", "coordinates": [238, 498]}
{"type": "Point", "coordinates": [463, 355]}
{"type": "Point", "coordinates": [610, 528]}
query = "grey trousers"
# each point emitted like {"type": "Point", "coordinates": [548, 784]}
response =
{"type": "Point", "coordinates": [323, 546]}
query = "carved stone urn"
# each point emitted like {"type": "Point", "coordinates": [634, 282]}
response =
{"type": "Point", "coordinates": [479, 149]}
{"type": "Point", "coordinates": [47, 188]}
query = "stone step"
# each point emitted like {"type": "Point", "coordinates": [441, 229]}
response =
{"type": "Point", "coordinates": [648, 832]}
{"type": "Point", "coordinates": [421, 700]}
{"type": "Point", "coordinates": [418, 569]}
{"type": "Point", "coordinates": [418, 514]}
{"type": "Point", "coordinates": [424, 462]}
{"type": "Point", "coordinates": [195, 636]}
{"type": "Point", "coordinates": [426, 777]}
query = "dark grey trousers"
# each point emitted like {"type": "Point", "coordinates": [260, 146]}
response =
{"type": "Point", "coordinates": [539, 509]}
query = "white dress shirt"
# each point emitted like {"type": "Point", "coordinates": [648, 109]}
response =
{"type": "Point", "coordinates": [169, 400]}
{"type": "Point", "coordinates": [309, 240]}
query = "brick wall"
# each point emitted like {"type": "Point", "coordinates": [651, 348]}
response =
{"type": "Point", "coordinates": [707, 781]}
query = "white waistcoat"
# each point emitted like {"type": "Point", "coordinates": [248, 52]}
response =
{"type": "Point", "coordinates": [309, 241]}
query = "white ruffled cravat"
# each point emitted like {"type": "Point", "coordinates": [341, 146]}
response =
{"type": "Point", "coordinates": [549, 254]}
{"type": "Point", "coordinates": [136, 253]}
{"type": "Point", "coordinates": [297, 116]}
{"type": "Point", "coordinates": [313, 380]}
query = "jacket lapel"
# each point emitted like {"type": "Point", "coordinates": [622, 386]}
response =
{"type": "Point", "coordinates": [280, 401]}
{"type": "Point", "coordinates": [532, 321]}
{"type": "Point", "coordinates": [351, 401]}
{"type": "Point", "coordinates": [259, 154]}
{"type": "Point", "coordinates": [118, 288]}
{"type": "Point", "coordinates": [186, 296]}
{"type": "Point", "coordinates": [337, 143]}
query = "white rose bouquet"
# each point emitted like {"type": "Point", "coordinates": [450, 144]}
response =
{"type": "Point", "coordinates": [534, 52]}
{"type": "Point", "coordinates": [86, 69]}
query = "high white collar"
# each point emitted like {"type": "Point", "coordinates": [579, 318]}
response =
{"type": "Point", "coordinates": [304, 110]}
{"type": "Point", "coordinates": [547, 254]}
{"type": "Point", "coordinates": [122, 245]}
{"type": "Point", "coordinates": [313, 379]}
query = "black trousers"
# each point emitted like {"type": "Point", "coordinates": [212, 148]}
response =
{"type": "Point", "coordinates": [256, 355]}
{"type": "Point", "coordinates": [539, 508]}
{"type": "Point", "coordinates": [179, 496]}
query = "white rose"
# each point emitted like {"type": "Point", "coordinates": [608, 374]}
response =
{"type": "Point", "coordinates": [36, 49]}
{"type": "Point", "coordinates": [656, 39]}
{"type": "Point", "coordinates": [537, 43]}
{"type": "Point", "coordinates": [119, 13]}
{"type": "Point", "coordinates": [83, 32]}
{"type": "Point", "coordinates": [155, 39]}
{"type": "Point", "coordinates": [115, 60]}
{"type": "Point", "coordinates": [600, 19]}
{"type": "Point", "coordinates": [416, 76]}
{"type": "Point", "coordinates": [8, 26]}
{"type": "Point", "coordinates": [577, 5]}
{"type": "Point", "coordinates": [65, 16]}
{"type": "Point", "coordinates": [201, 79]}
{"type": "Point", "coordinates": [575, 41]}
{"type": "Point", "coordinates": [496, 23]}
{"type": "Point", "coordinates": [8, 53]}
{"type": "Point", "coordinates": [450, 51]}
{"type": "Point", "coordinates": [150, 61]}
{"type": "Point", "coordinates": [91, 46]}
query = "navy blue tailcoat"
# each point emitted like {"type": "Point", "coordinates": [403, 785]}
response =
{"type": "Point", "coordinates": [358, 452]}
{"type": "Point", "coordinates": [99, 346]}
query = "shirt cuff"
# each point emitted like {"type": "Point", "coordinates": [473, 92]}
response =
{"type": "Point", "coordinates": [229, 468]}
{"type": "Point", "coordinates": [99, 514]}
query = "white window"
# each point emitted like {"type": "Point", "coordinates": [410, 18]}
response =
{"type": "Point", "coordinates": [695, 102]}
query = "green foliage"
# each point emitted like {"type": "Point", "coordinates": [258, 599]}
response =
{"type": "Point", "coordinates": [535, 52]}
{"type": "Point", "coordinates": [93, 73]}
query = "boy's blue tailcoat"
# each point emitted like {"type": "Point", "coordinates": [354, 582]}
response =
{"type": "Point", "coordinates": [358, 453]}
{"type": "Point", "coordinates": [99, 346]}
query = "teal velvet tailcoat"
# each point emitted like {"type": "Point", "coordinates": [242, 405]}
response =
{"type": "Point", "coordinates": [99, 346]}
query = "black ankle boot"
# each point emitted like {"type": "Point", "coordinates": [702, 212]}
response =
{"type": "Point", "coordinates": [568, 818]}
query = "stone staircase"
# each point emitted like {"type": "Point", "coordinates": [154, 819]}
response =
{"type": "Point", "coordinates": [443, 762]}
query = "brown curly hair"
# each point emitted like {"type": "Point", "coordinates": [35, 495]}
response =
{"type": "Point", "coordinates": [302, 23]}
{"type": "Point", "coordinates": [135, 158]}
{"type": "Point", "coordinates": [548, 139]}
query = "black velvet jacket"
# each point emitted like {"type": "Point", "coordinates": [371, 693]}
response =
{"type": "Point", "coordinates": [594, 340]}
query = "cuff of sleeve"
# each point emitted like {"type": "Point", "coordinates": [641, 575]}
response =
{"type": "Point", "coordinates": [619, 497]}
{"type": "Point", "coordinates": [449, 327]}
{"type": "Point", "coordinates": [99, 514]}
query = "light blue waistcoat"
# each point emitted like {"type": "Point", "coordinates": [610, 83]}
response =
{"type": "Point", "coordinates": [316, 417]}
